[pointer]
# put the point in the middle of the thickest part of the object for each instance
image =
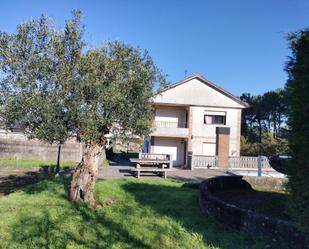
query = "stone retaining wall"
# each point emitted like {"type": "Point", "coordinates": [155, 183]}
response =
{"type": "Point", "coordinates": [266, 183]}
{"type": "Point", "coordinates": [17, 146]}
{"type": "Point", "coordinates": [257, 225]}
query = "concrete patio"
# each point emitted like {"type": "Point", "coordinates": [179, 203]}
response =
{"type": "Point", "coordinates": [122, 170]}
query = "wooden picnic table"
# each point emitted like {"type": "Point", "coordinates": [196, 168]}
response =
{"type": "Point", "coordinates": [151, 165]}
{"type": "Point", "coordinates": [146, 161]}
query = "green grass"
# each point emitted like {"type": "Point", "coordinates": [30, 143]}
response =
{"type": "Point", "coordinates": [147, 214]}
{"type": "Point", "coordinates": [33, 163]}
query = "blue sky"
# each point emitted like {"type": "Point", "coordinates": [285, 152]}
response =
{"type": "Point", "coordinates": [240, 44]}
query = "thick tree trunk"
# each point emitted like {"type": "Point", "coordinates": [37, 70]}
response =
{"type": "Point", "coordinates": [103, 155]}
{"type": "Point", "coordinates": [260, 131]}
{"type": "Point", "coordinates": [275, 129]}
{"type": "Point", "coordinates": [84, 177]}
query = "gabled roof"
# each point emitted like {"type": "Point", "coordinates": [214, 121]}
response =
{"type": "Point", "coordinates": [208, 83]}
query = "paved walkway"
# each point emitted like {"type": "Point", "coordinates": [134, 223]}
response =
{"type": "Point", "coordinates": [122, 170]}
{"type": "Point", "coordinates": [117, 171]}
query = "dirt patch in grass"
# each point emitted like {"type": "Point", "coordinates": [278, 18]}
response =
{"type": "Point", "coordinates": [269, 203]}
{"type": "Point", "coordinates": [10, 181]}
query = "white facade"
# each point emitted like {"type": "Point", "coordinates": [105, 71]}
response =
{"type": "Point", "coordinates": [187, 114]}
{"type": "Point", "coordinates": [206, 133]}
{"type": "Point", "coordinates": [195, 91]}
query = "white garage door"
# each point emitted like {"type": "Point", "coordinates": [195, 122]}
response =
{"type": "Point", "coordinates": [172, 146]}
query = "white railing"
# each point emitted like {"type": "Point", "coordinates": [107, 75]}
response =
{"type": "Point", "coordinates": [240, 165]}
{"type": "Point", "coordinates": [154, 156]}
{"type": "Point", "coordinates": [243, 162]}
{"type": "Point", "coordinates": [169, 124]}
{"type": "Point", "coordinates": [170, 129]}
{"type": "Point", "coordinates": [201, 161]}
{"type": "Point", "coordinates": [248, 162]}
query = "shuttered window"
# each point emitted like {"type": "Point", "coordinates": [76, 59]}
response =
{"type": "Point", "coordinates": [214, 119]}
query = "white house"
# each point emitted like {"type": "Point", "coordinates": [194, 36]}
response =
{"type": "Point", "coordinates": [187, 115]}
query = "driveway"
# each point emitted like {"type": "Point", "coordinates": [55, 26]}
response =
{"type": "Point", "coordinates": [122, 170]}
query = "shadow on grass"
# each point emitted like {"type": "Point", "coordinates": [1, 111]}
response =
{"type": "Point", "coordinates": [61, 224]}
{"type": "Point", "coordinates": [46, 231]}
{"type": "Point", "coordinates": [13, 181]}
{"type": "Point", "coordinates": [52, 185]}
{"type": "Point", "coordinates": [182, 205]}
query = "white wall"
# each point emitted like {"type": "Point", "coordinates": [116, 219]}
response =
{"type": "Point", "coordinates": [195, 92]}
{"type": "Point", "coordinates": [206, 133]}
{"type": "Point", "coordinates": [171, 114]}
{"type": "Point", "coordinates": [172, 146]}
{"type": "Point", "coordinates": [209, 149]}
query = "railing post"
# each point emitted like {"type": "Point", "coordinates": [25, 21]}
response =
{"type": "Point", "coordinates": [171, 161]}
{"type": "Point", "coordinates": [190, 163]}
{"type": "Point", "coordinates": [260, 162]}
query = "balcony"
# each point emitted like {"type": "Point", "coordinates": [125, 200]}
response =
{"type": "Point", "coordinates": [170, 129]}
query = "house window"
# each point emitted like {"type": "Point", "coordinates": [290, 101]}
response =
{"type": "Point", "coordinates": [214, 119]}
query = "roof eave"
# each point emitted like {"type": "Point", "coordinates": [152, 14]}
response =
{"type": "Point", "coordinates": [209, 83]}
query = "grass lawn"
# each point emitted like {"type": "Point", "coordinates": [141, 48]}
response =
{"type": "Point", "coordinates": [33, 163]}
{"type": "Point", "coordinates": [147, 214]}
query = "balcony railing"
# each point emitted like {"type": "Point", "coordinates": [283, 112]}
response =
{"type": "Point", "coordinates": [170, 129]}
{"type": "Point", "coordinates": [170, 124]}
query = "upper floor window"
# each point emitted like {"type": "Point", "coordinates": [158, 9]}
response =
{"type": "Point", "coordinates": [215, 118]}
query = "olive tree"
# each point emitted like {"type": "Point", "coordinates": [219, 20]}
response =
{"type": "Point", "coordinates": [54, 87]}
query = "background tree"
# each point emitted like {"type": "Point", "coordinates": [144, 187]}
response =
{"type": "Point", "coordinates": [298, 118]}
{"type": "Point", "coordinates": [247, 115]}
{"type": "Point", "coordinates": [264, 127]}
{"type": "Point", "coordinates": [275, 108]}
{"type": "Point", "coordinates": [56, 88]}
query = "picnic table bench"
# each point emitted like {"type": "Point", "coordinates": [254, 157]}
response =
{"type": "Point", "coordinates": [156, 163]}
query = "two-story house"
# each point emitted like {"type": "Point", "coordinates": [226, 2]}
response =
{"type": "Point", "coordinates": [187, 114]}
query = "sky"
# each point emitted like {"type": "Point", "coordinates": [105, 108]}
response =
{"type": "Point", "coordinates": [238, 44]}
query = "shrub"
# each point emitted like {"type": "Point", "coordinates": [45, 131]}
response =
{"type": "Point", "coordinates": [298, 119]}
